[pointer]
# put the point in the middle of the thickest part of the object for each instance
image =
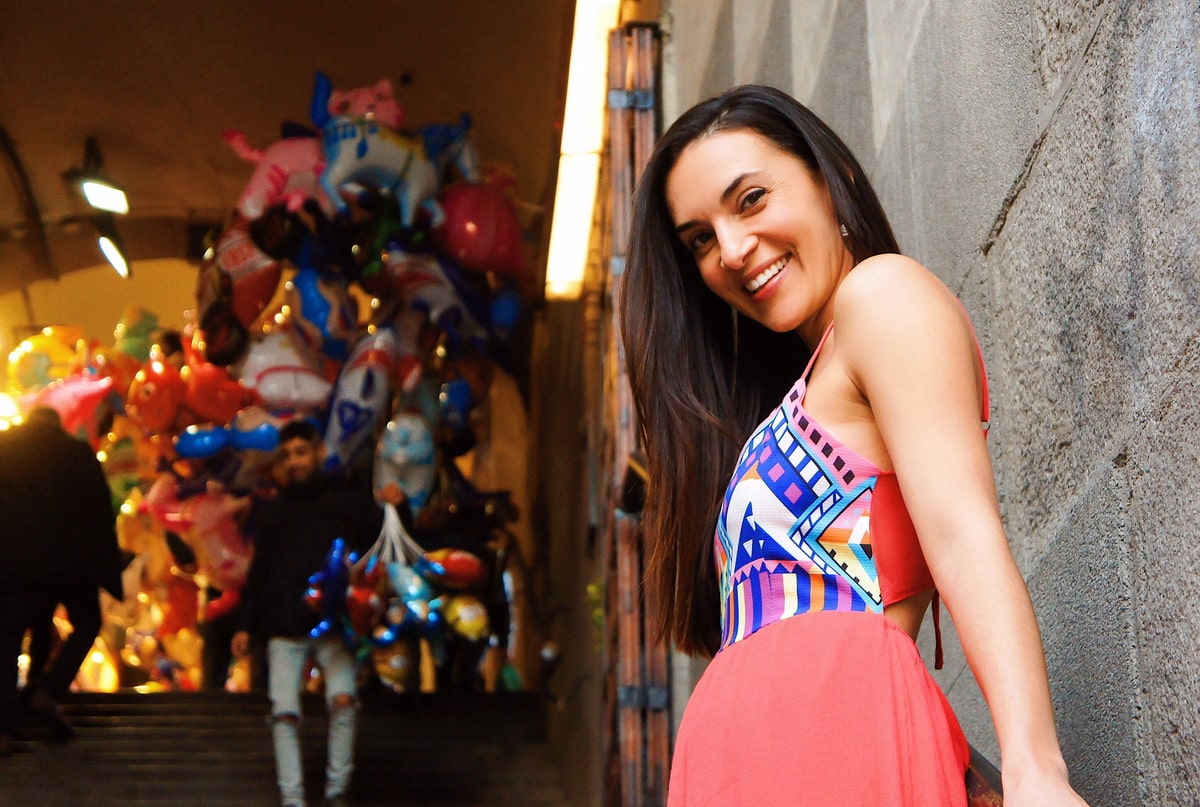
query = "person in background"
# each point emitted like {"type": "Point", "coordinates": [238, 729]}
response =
{"type": "Point", "coordinates": [814, 405]}
{"type": "Point", "coordinates": [295, 533]}
{"type": "Point", "coordinates": [57, 545]}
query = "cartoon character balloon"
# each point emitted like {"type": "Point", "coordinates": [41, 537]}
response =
{"type": "Point", "coordinates": [362, 148]}
{"type": "Point", "coordinates": [156, 394]}
{"type": "Point", "coordinates": [324, 314]}
{"type": "Point", "coordinates": [43, 358]}
{"type": "Point", "coordinates": [361, 397]}
{"type": "Point", "coordinates": [405, 457]}
{"type": "Point", "coordinates": [284, 373]}
{"type": "Point", "coordinates": [287, 172]}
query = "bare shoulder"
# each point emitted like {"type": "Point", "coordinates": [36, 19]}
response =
{"type": "Point", "coordinates": [890, 307]}
{"type": "Point", "coordinates": [892, 283]}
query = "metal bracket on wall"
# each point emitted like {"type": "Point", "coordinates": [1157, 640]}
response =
{"type": "Point", "coordinates": [631, 99]}
{"type": "Point", "coordinates": [654, 698]}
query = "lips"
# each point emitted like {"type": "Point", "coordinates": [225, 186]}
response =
{"type": "Point", "coordinates": [761, 279]}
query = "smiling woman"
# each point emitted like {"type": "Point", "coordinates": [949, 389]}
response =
{"type": "Point", "coordinates": [764, 286]}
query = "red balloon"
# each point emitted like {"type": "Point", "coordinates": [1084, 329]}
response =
{"type": "Point", "coordinates": [480, 231]}
{"type": "Point", "coordinates": [155, 395]}
{"type": "Point", "coordinates": [462, 570]}
{"type": "Point", "coordinates": [254, 275]}
{"type": "Point", "coordinates": [212, 394]}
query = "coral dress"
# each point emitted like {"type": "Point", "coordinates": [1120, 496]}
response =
{"type": "Point", "coordinates": [815, 698]}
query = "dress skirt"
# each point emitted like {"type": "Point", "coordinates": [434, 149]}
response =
{"type": "Point", "coordinates": [824, 708]}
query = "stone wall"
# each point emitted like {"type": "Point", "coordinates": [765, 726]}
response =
{"type": "Point", "coordinates": [1044, 159]}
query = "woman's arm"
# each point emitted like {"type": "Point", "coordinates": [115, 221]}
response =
{"type": "Point", "coordinates": [906, 344]}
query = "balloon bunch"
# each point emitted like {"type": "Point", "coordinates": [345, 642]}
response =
{"type": "Point", "coordinates": [353, 206]}
{"type": "Point", "coordinates": [367, 279]}
{"type": "Point", "coordinates": [397, 590]}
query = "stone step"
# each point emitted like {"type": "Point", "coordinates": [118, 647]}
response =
{"type": "Point", "coordinates": [215, 748]}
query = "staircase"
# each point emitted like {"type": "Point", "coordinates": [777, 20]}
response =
{"type": "Point", "coordinates": [214, 748]}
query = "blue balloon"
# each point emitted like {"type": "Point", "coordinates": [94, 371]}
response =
{"type": "Point", "coordinates": [264, 437]}
{"type": "Point", "coordinates": [506, 313]}
{"type": "Point", "coordinates": [195, 442]}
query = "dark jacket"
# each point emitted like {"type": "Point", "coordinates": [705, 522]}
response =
{"type": "Point", "coordinates": [56, 515]}
{"type": "Point", "coordinates": [295, 532]}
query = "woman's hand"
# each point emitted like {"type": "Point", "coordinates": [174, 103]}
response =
{"type": "Point", "coordinates": [1039, 788]}
{"type": "Point", "coordinates": [390, 493]}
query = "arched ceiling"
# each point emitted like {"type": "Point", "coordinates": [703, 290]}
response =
{"type": "Point", "coordinates": [157, 82]}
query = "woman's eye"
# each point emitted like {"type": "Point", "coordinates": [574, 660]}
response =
{"type": "Point", "coordinates": [697, 242]}
{"type": "Point", "coordinates": [752, 198]}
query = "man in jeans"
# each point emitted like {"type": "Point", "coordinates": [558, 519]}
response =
{"type": "Point", "coordinates": [295, 533]}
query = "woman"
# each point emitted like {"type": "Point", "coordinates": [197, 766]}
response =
{"type": "Point", "coordinates": [764, 289]}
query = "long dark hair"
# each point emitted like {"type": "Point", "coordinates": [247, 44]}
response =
{"type": "Point", "coordinates": [703, 377]}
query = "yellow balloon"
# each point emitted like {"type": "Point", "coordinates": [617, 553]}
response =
{"type": "Point", "coordinates": [38, 360]}
{"type": "Point", "coordinates": [467, 616]}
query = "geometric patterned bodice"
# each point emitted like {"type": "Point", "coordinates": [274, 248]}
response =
{"type": "Point", "coordinates": [806, 521]}
{"type": "Point", "coordinates": [794, 532]}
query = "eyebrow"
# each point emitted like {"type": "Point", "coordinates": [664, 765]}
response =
{"type": "Point", "coordinates": [725, 194]}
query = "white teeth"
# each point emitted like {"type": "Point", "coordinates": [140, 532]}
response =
{"type": "Point", "coordinates": [758, 281]}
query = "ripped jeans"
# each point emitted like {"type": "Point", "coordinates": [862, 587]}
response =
{"type": "Point", "coordinates": [286, 661]}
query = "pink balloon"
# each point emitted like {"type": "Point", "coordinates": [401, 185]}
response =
{"type": "Point", "coordinates": [288, 172]}
{"type": "Point", "coordinates": [76, 399]}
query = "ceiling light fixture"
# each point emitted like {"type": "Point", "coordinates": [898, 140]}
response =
{"type": "Point", "coordinates": [579, 153]}
{"type": "Point", "coordinates": [100, 192]}
{"type": "Point", "coordinates": [110, 244]}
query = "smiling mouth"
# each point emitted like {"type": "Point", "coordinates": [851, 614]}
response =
{"type": "Point", "coordinates": [760, 280]}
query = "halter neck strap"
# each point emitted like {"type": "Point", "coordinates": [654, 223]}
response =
{"type": "Point", "coordinates": [813, 359]}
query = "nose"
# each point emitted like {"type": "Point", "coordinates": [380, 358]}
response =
{"type": "Point", "coordinates": [736, 242]}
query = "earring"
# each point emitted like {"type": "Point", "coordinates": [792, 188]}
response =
{"type": "Point", "coordinates": [845, 232]}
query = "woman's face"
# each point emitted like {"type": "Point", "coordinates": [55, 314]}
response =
{"type": "Point", "coordinates": [762, 229]}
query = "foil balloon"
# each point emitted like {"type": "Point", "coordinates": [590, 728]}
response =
{"type": "Point", "coordinates": [108, 362]}
{"type": "Point", "coordinates": [254, 276]}
{"type": "Point", "coordinates": [405, 457]}
{"type": "Point", "coordinates": [222, 605]}
{"type": "Point", "coordinates": [201, 442]}
{"type": "Point", "coordinates": [325, 317]}
{"type": "Point", "coordinates": [480, 230]}
{"type": "Point", "coordinates": [455, 569]}
{"type": "Point", "coordinates": [364, 605]}
{"type": "Point", "coordinates": [211, 394]}
{"type": "Point", "coordinates": [429, 285]}
{"type": "Point", "coordinates": [505, 309]}
{"type": "Point", "coordinates": [134, 332]}
{"type": "Point", "coordinates": [398, 666]}
{"type": "Point", "coordinates": [456, 400]}
{"type": "Point", "coordinates": [207, 523]}
{"type": "Point", "coordinates": [283, 374]}
{"type": "Point", "coordinates": [287, 172]}
{"type": "Point", "coordinates": [156, 394]}
{"type": "Point", "coordinates": [327, 592]}
{"type": "Point", "coordinates": [466, 616]}
{"type": "Point", "coordinates": [360, 148]}
{"type": "Point", "coordinates": [376, 101]}
{"type": "Point", "coordinates": [407, 583]}
{"type": "Point", "coordinates": [76, 399]}
{"type": "Point", "coordinates": [43, 358]}
{"type": "Point", "coordinates": [360, 398]}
